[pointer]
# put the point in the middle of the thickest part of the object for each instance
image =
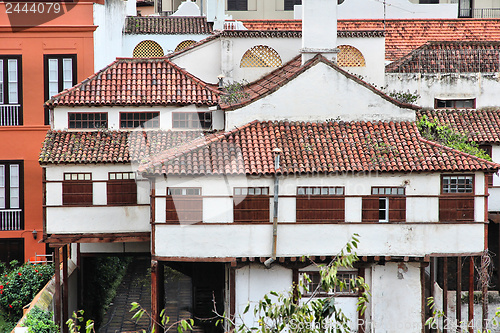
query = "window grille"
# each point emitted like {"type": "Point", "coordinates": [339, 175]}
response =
{"type": "Point", "coordinates": [261, 56]}
{"type": "Point", "coordinates": [148, 49]}
{"type": "Point", "coordinates": [350, 56]}
{"type": "Point", "coordinates": [184, 45]}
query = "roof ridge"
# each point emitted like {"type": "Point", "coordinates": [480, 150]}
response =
{"type": "Point", "coordinates": [164, 157]}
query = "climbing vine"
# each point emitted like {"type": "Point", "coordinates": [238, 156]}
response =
{"type": "Point", "coordinates": [446, 136]}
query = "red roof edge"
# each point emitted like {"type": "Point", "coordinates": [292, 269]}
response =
{"type": "Point", "coordinates": [494, 166]}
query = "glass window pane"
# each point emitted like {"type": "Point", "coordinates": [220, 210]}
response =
{"type": "Point", "coordinates": [118, 176]}
{"type": "Point", "coordinates": [53, 77]}
{"type": "Point", "coordinates": [258, 191]}
{"type": "Point", "coordinates": [13, 79]}
{"type": "Point", "coordinates": [67, 73]}
{"type": "Point", "coordinates": [316, 191]}
{"type": "Point", "coordinates": [375, 190]}
{"type": "Point", "coordinates": [244, 191]}
{"type": "Point", "coordinates": [324, 190]}
{"type": "Point", "coordinates": [112, 176]}
{"type": "Point", "coordinates": [401, 191]}
{"type": "Point", "coordinates": [1, 81]}
{"type": "Point", "coordinates": [237, 191]}
{"type": "Point", "coordinates": [340, 190]}
{"type": "Point", "coordinates": [251, 191]}
{"type": "Point", "coordinates": [265, 191]}
{"type": "Point", "coordinates": [309, 191]}
{"type": "Point", "coordinates": [2, 186]}
{"type": "Point", "coordinates": [301, 191]}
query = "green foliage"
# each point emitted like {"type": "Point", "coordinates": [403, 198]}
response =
{"type": "Point", "coordinates": [446, 136]}
{"type": "Point", "coordinates": [288, 312]}
{"type": "Point", "coordinates": [404, 96]}
{"type": "Point", "coordinates": [182, 325]}
{"type": "Point", "coordinates": [39, 321]}
{"type": "Point", "coordinates": [74, 323]}
{"type": "Point", "coordinates": [234, 93]}
{"type": "Point", "coordinates": [20, 285]}
{"type": "Point", "coordinates": [102, 277]}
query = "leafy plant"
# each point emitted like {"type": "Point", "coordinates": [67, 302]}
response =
{"type": "Point", "coordinates": [39, 321]}
{"type": "Point", "coordinates": [290, 311]}
{"type": "Point", "coordinates": [404, 96]}
{"type": "Point", "coordinates": [74, 323]}
{"type": "Point", "coordinates": [234, 92]}
{"type": "Point", "coordinates": [20, 285]}
{"type": "Point", "coordinates": [443, 134]}
{"type": "Point", "coordinates": [182, 325]}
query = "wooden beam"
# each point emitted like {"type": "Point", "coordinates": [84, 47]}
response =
{"type": "Point", "coordinates": [458, 300]}
{"type": "Point", "coordinates": [58, 239]}
{"type": "Point", "coordinates": [422, 296]}
{"type": "Point", "coordinates": [57, 291]}
{"type": "Point", "coordinates": [155, 296]}
{"type": "Point", "coordinates": [445, 292]}
{"type": "Point", "coordinates": [471, 294]}
{"type": "Point", "coordinates": [65, 299]}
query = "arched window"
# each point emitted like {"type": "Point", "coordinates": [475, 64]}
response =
{"type": "Point", "coordinates": [185, 44]}
{"type": "Point", "coordinates": [261, 56]}
{"type": "Point", "coordinates": [350, 57]}
{"type": "Point", "coordinates": [148, 49]}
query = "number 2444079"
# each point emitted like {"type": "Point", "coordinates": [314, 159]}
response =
{"type": "Point", "coordinates": [32, 8]}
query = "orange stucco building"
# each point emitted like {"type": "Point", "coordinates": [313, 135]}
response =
{"type": "Point", "coordinates": [42, 51]}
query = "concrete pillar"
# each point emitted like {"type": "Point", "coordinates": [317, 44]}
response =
{"type": "Point", "coordinates": [319, 29]}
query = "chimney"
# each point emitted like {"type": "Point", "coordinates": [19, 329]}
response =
{"type": "Point", "coordinates": [319, 29]}
{"type": "Point", "coordinates": [216, 13]}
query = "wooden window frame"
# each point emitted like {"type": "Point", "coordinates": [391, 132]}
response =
{"type": "Point", "coordinates": [142, 119]}
{"type": "Point", "coordinates": [289, 4]}
{"type": "Point", "coordinates": [315, 277]}
{"type": "Point", "coordinates": [191, 122]}
{"type": "Point", "coordinates": [86, 183]}
{"type": "Point", "coordinates": [91, 123]}
{"type": "Point", "coordinates": [454, 102]}
{"type": "Point", "coordinates": [5, 83]}
{"type": "Point", "coordinates": [237, 5]}
{"type": "Point", "coordinates": [121, 189]}
{"type": "Point", "coordinates": [60, 75]}
{"type": "Point", "coordinates": [457, 206]}
{"type": "Point", "coordinates": [331, 198]}
{"type": "Point", "coordinates": [394, 204]}
{"type": "Point", "coordinates": [246, 205]}
{"type": "Point", "coordinates": [189, 205]}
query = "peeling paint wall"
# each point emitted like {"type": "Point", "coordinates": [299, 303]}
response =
{"type": "Point", "coordinates": [481, 86]}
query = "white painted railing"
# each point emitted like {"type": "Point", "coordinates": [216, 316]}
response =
{"type": "Point", "coordinates": [10, 219]}
{"type": "Point", "coordinates": [9, 114]}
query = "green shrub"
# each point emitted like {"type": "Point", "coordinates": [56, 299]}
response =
{"type": "Point", "coordinates": [39, 321]}
{"type": "Point", "coordinates": [20, 285]}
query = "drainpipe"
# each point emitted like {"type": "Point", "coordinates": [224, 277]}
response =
{"type": "Point", "coordinates": [272, 259]}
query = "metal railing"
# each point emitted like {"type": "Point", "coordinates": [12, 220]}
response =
{"type": "Point", "coordinates": [10, 114]}
{"type": "Point", "coordinates": [479, 13]}
{"type": "Point", "coordinates": [11, 219]}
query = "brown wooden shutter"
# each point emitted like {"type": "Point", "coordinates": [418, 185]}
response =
{"type": "Point", "coordinates": [251, 209]}
{"type": "Point", "coordinates": [184, 209]}
{"type": "Point", "coordinates": [320, 209]}
{"type": "Point", "coordinates": [370, 209]}
{"type": "Point", "coordinates": [77, 192]}
{"type": "Point", "coordinates": [456, 209]}
{"type": "Point", "coordinates": [122, 192]}
{"type": "Point", "coordinates": [397, 209]}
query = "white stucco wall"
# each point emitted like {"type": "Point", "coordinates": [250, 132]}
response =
{"type": "Point", "coordinates": [318, 94]}
{"type": "Point", "coordinates": [110, 19]}
{"type": "Point", "coordinates": [494, 198]}
{"type": "Point", "coordinates": [482, 87]}
{"type": "Point", "coordinates": [61, 115]}
{"type": "Point", "coordinates": [396, 298]}
{"type": "Point", "coordinates": [135, 247]}
{"type": "Point", "coordinates": [99, 218]}
{"type": "Point", "coordinates": [253, 282]}
{"type": "Point", "coordinates": [407, 239]}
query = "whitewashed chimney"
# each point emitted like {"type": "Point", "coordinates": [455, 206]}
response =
{"type": "Point", "coordinates": [319, 29]}
{"type": "Point", "coordinates": [216, 13]}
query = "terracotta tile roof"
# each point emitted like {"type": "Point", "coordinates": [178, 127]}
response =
{"type": "Point", "coordinates": [284, 74]}
{"type": "Point", "coordinates": [449, 57]}
{"type": "Point", "coordinates": [403, 35]}
{"type": "Point", "coordinates": [329, 147]}
{"type": "Point", "coordinates": [170, 25]}
{"type": "Point", "coordinates": [138, 81]}
{"type": "Point", "coordinates": [109, 146]}
{"type": "Point", "coordinates": [479, 125]}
